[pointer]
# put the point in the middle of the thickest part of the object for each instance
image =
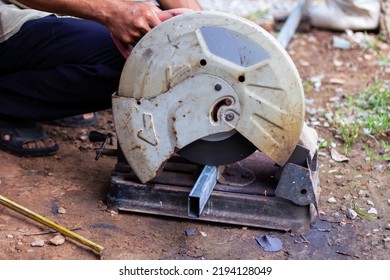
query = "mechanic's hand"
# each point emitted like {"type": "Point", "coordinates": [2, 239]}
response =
{"type": "Point", "coordinates": [125, 49]}
{"type": "Point", "coordinates": [131, 20]}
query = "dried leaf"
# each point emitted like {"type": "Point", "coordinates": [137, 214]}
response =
{"type": "Point", "coordinates": [337, 157]}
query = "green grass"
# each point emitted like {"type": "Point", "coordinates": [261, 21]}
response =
{"type": "Point", "coordinates": [373, 45]}
{"type": "Point", "coordinates": [366, 116]}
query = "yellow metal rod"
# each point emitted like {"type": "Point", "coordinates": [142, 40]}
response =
{"type": "Point", "coordinates": [42, 220]}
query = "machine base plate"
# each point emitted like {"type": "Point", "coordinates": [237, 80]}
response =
{"type": "Point", "coordinates": [253, 205]}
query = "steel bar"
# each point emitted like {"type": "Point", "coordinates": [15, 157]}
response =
{"type": "Point", "coordinates": [291, 24]}
{"type": "Point", "coordinates": [42, 220]}
{"type": "Point", "coordinates": [202, 190]}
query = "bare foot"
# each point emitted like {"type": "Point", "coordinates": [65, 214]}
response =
{"type": "Point", "coordinates": [88, 116]}
{"type": "Point", "coordinates": [42, 143]}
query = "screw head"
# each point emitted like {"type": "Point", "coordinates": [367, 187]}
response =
{"type": "Point", "coordinates": [218, 87]}
{"type": "Point", "coordinates": [229, 117]}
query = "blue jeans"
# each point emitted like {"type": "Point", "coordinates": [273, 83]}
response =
{"type": "Point", "coordinates": [56, 67]}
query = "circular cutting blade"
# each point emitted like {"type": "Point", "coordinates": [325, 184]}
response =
{"type": "Point", "coordinates": [221, 152]}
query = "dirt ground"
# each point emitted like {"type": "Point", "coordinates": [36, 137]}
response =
{"type": "Point", "coordinates": [73, 180]}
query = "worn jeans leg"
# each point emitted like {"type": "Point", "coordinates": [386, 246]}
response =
{"type": "Point", "coordinates": [56, 67]}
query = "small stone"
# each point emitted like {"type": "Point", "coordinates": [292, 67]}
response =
{"type": "Point", "coordinates": [61, 210]}
{"type": "Point", "coordinates": [23, 230]}
{"type": "Point", "coordinates": [341, 43]}
{"type": "Point", "coordinates": [378, 166]}
{"type": "Point", "coordinates": [57, 240]}
{"type": "Point", "coordinates": [369, 202]}
{"type": "Point", "coordinates": [10, 236]}
{"type": "Point", "coordinates": [336, 214]}
{"type": "Point", "coordinates": [190, 232]}
{"type": "Point", "coordinates": [375, 230]}
{"type": "Point", "coordinates": [388, 226]}
{"type": "Point", "coordinates": [329, 116]}
{"type": "Point", "coordinates": [332, 200]}
{"type": "Point", "coordinates": [337, 81]}
{"type": "Point", "coordinates": [311, 111]}
{"type": "Point", "coordinates": [316, 81]}
{"type": "Point", "coordinates": [315, 123]}
{"type": "Point", "coordinates": [364, 193]}
{"type": "Point", "coordinates": [322, 154]}
{"type": "Point", "coordinates": [372, 211]}
{"type": "Point", "coordinates": [38, 243]}
{"type": "Point", "coordinates": [368, 57]}
{"type": "Point", "coordinates": [343, 224]}
{"type": "Point", "coordinates": [388, 201]}
{"type": "Point", "coordinates": [351, 214]}
{"type": "Point", "coordinates": [304, 63]}
{"type": "Point", "coordinates": [337, 63]}
{"type": "Point", "coordinates": [83, 137]}
{"type": "Point", "coordinates": [203, 234]}
{"type": "Point", "coordinates": [387, 239]}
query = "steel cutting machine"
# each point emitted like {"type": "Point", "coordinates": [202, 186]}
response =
{"type": "Point", "coordinates": [209, 117]}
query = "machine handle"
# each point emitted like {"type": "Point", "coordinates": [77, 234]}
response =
{"type": "Point", "coordinates": [95, 136]}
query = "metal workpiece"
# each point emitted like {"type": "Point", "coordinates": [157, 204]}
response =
{"type": "Point", "coordinates": [202, 190]}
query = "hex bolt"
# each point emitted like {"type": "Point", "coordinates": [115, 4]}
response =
{"type": "Point", "coordinates": [217, 87]}
{"type": "Point", "coordinates": [229, 117]}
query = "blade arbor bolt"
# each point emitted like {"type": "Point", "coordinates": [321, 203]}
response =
{"type": "Point", "coordinates": [229, 117]}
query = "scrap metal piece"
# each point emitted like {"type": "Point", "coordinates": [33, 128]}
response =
{"type": "Point", "coordinates": [270, 244]}
{"type": "Point", "coordinates": [202, 190]}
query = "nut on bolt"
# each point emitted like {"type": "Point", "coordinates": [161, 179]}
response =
{"type": "Point", "coordinates": [229, 117]}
